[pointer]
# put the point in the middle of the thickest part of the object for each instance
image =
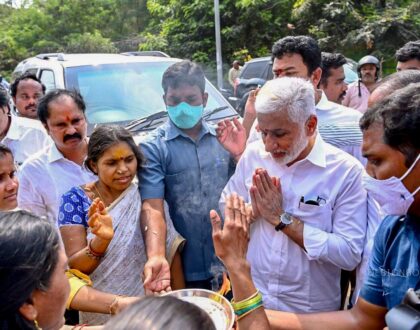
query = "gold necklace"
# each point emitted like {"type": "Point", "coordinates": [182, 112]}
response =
{"type": "Point", "coordinates": [99, 194]}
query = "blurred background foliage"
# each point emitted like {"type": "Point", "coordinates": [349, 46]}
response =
{"type": "Point", "coordinates": [185, 28]}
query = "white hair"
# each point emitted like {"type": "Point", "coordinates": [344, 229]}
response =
{"type": "Point", "coordinates": [292, 96]}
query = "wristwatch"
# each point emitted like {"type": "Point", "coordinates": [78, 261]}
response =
{"type": "Point", "coordinates": [285, 220]}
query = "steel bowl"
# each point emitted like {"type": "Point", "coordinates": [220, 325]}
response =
{"type": "Point", "coordinates": [218, 307]}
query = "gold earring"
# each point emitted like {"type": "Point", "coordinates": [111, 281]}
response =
{"type": "Point", "coordinates": [36, 325]}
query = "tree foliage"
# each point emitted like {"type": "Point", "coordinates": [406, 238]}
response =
{"type": "Point", "coordinates": [185, 28]}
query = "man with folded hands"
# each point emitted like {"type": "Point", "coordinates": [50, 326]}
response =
{"type": "Point", "coordinates": [308, 204]}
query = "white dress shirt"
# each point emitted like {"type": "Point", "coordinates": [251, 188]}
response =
{"type": "Point", "coordinates": [289, 278]}
{"type": "Point", "coordinates": [332, 113]}
{"type": "Point", "coordinates": [45, 177]}
{"type": "Point", "coordinates": [25, 137]}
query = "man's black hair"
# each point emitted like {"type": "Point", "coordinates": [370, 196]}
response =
{"type": "Point", "coordinates": [25, 76]}
{"type": "Point", "coordinates": [306, 46]}
{"type": "Point", "coordinates": [411, 50]}
{"type": "Point", "coordinates": [43, 112]}
{"type": "Point", "coordinates": [184, 72]}
{"type": "Point", "coordinates": [330, 61]}
{"type": "Point", "coordinates": [397, 80]}
{"type": "Point", "coordinates": [399, 115]}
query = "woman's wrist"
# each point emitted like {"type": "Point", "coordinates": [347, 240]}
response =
{"type": "Point", "coordinates": [113, 307]}
{"type": "Point", "coordinates": [238, 267]}
{"type": "Point", "coordinates": [98, 245]}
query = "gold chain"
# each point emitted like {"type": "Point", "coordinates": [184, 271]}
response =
{"type": "Point", "coordinates": [100, 196]}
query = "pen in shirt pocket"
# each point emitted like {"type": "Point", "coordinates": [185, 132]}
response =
{"type": "Point", "coordinates": [318, 202]}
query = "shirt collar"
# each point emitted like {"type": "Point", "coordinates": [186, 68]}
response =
{"type": "Point", "coordinates": [14, 130]}
{"type": "Point", "coordinates": [54, 154]}
{"type": "Point", "coordinates": [316, 156]}
{"type": "Point", "coordinates": [173, 132]}
{"type": "Point", "coordinates": [324, 103]}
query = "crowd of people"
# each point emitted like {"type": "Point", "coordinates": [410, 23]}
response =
{"type": "Point", "coordinates": [317, 187]}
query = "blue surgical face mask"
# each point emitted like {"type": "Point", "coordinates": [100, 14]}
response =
{"type": "Point", "coordinates": [185, 116]}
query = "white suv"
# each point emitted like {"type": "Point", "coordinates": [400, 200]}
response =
{"type": "Point", "coordinates": [117, 88]}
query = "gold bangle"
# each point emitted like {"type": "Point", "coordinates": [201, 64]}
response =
{"type": "Point", "coordinates": [112, 305]}
{"type": "Point", "coordinates": [257, 297]}
{"type": "Point", "coordinates": [244, 300]}
{"type": "Point", "coordinates": [248, 303]}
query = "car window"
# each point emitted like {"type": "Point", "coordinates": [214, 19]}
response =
{"type": "Point", "coordinates": [253, 70]}
{"type": "Point", "coordinates": [127, 91]}
{"type": "Point", "coordinates": [268, 73]}
{"type": "Point", "coordinates": [47, 78]}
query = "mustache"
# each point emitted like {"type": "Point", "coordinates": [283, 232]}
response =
{"type": "Point", "coordinates": [30, 106]}
{"type": "Point", "coordinates": [73, 136]}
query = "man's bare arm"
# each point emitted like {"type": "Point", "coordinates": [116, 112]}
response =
{"type": "Point", "coordinates": [153, 226]}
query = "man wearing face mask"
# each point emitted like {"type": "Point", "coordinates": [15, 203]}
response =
{"type": "Point", "coordinates": [187, 167]}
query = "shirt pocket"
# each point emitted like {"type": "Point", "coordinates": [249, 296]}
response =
{"type": "Point", "coordinates": [319, 216]}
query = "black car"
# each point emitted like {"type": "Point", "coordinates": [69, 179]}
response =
{"type": "Point", "coordinates": [254, 73]}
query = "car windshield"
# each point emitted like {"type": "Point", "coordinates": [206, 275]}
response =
{"type": "Point", "coordinates": [124, 92]}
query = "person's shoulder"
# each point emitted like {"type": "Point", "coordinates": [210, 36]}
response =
{"type": "Point", "coordinates": [254, 147]}
{"type": "Point", "coordinates": [38, 160]}
{"type": "Point", "coordinates": [76, 195]}
{"type": "Point", "coordinates": [336, 156]}
{"type": "Point", "coordinates": [76, 190]}
{"type": "Point", "coordinates": [391, 221]}
{"type": "Point", "coordinates": [388, 225]}
{"type": "Point", "coordinates": [155, 136]}
{"type": "Point", "coordinates": [350, 112]}
{"type": "Point", "coordinates": [255, 150]}
{"type": "Point", "coordinates": [353, 85]}
{"type": "Point", "coordinates": [28, 123]}
{"type": "Point", "coordinates": [345, 114]}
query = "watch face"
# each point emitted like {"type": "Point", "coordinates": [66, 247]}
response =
{"type": "Point", "coordinates": [286, 218]}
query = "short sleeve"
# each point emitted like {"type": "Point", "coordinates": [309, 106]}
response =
{"type": "Point", "coordinates": [74, 206]}
{"type": "Point", "coordinates": [77, 281]}
{"type": "Point", "coordinates": [373, 290]}
{"type": "Point", "coordinates": [152, 175]}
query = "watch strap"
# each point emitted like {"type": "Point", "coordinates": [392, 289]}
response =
{"type": "Point", "coordinates": [285, 220]}
{"type": "Point", "coordinates": [280, 226]}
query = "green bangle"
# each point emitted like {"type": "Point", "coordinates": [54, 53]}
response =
{"type": "Point", "coordinates": [248, 309]}
{"type": "Point", "coordinates": [248, 302]}
{"type": "Point", "coordinates": [249, 312]}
